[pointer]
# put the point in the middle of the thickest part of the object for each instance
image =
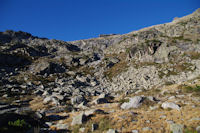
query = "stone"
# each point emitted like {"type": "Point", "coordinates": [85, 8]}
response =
{"type": "Point", "coordinates": [82, 130]}
{"type": "Point", "coordinates": [94, 111]}
{"type": "Point", "coordinates": [45, 93]}
{"type": "Point", "coordinates": [55, 101]}
{"type": "Point", "coordinates": [82, 61]}
{"type": "Point", "coordinates": [49, 124]}
{"type": "Point", "coordinates": [134, 131]}
{"type": "Point", "coordinates": [47, 100]}
{"type": "Point", "coordinates": [94, 127]}
{"type": "Point", "coordinates": [100, 101]}
{"type": "Point", "coordinates": [151, 98]}
{"type": "Point", "coordinates": [176, 128]}
{"type": "Point", "coordinates": [60, 97]}
{"type": "Point", "coordinates": [79, 119]}
{"type": "Point", "coordinates": [111, 131]}
{"type": "Point", "coordinates": [171, 105]}
{"type": "Point", "coordinates": [146, 128]}
{"type": "Point", "coordinates": [77, 100]}
{"type": "Point", "coordinates": [103, 95]}
{"type": "Point", "coordinates": [198, 129]}
{"type": "Point", "coordinates": [195, 119]}
{"type": "Point", "coordinates": [93, 83]}
{"type": "Point", "coordinates": [38, 115]}
{"type": "Point", "coordinates": [134, 102]}
{"type": "Point", "coordinates": [82, 105]}
{"type": "Point", "coordinates": [60, 126]}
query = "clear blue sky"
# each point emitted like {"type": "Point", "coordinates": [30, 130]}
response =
{"type": "Point", "coordinates": [81, 19]}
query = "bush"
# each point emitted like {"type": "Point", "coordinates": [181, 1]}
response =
{"type": "Point", "coordinates": [19, 123]}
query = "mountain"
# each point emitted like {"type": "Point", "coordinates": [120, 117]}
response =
{"type": "Point", "coordinates": [144, 81]}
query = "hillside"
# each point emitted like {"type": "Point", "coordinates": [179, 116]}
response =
{"type": "Point", "coordinates": [144, 81]}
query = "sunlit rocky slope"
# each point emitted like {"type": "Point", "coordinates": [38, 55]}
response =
{"type": "Point", "coordinates": [144, 81]}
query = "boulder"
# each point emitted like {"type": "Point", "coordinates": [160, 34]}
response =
{"type": "Point", "coordinates": [171, 105]}
{"type": "Point", "coordinates": [134, 102]}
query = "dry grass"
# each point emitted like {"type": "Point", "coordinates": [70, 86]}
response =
{"type": "Point", "coordinates": [37, 104]}
{"type": "Point", "coordinates": [193, 55]}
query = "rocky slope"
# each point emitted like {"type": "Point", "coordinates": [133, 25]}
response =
{"type": "Point", "coordinates": [143, 81]}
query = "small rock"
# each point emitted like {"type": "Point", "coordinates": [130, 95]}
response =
{"type": "Point", "coordinates": [137, 92]}
{"type": "Point", "coordinates": [47, 100]}
{"type": "Point", "coordinates": [82, 129]}
{"type": "Point", "coordinates": [60, 97]}
{"type": "Point", "coordinates": [171, 105]}
{"type": "Point", "coordinates": [100, 101]}
{"type": "Point", "coordinates": [195, 119]}
{"type": "Point", "coordinates": [77, 100]}
{"type": "Point", "coordinates": [79, 119]}
{"type": "Point", "coordinates": [45, 93]}
{"type": "Point", "coordinates": [153, 99]}
{"type": "Point", "coordinates": [38, 115]}
{"type": "Point", "coordinates": [61, 126]}
{"type": "Point", "coordinates": [111, 131]}
{"type": "Point", "coordinates": [148, 121]}
{"type": "Point", "coordinates": [163, 116]}
{"type": "Point", "coordinates": [94, 111]}
{"type": "Point", "coordinates": [103, 95]}
{"type": "Point", "coordinates": [172, 97]}
{"type": "Point", "coordinates": [170, 121]}
{"type": "Point", "coordinates": [48, 124]}
{"type": "Point", "coordinates": [154, 107]}
{"type": "Point", "coordinates": [146, 128]}
{"type": "Point", "coordinates": [93, 83]}
{"type": "Point", "coordinates": [94, 127]}
{"type": "Point", "coordinates": [82, 105]}
{"type": "Point", "coordinates": [5, 95]}
{"type": "Point", "coordinates": [134, 131]}
{"type": "Point", "coordinates": [176, 128]}
{"type": "Point", "coordinates": [198, 129]}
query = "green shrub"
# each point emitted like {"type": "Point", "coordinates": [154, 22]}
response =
{"type": "Point", "coordinates": [193, 89]}
{"type": "Point", "coordinates": [19, 123]}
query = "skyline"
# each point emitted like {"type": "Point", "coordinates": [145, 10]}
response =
{"type": "Point", "coordinates": [75, 20]}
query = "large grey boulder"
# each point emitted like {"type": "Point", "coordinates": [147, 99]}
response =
{"type": "Point", "coordinates": [79, 119]}
{"type": "Point", "coordinates": [134, 102]}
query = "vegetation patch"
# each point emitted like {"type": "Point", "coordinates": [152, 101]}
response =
{"type": "Point", "coordinates": [123, 100]}
{"type": "Point", "coordinates": [190, 89]}
{"type": "Point", "coordinates": [193, 55]}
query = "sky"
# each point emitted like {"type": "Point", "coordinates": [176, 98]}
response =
{"type": "Point", "coordinates": [70, 20]}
